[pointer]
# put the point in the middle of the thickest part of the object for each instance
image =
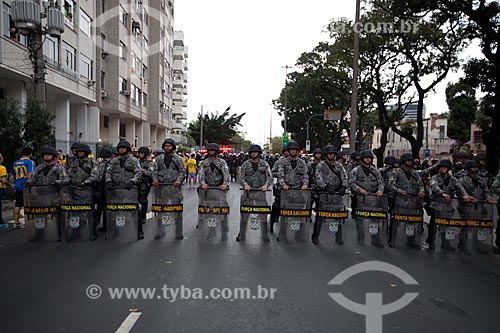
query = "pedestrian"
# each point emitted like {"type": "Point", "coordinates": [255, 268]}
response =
{"type": "Point", "coordinates": [22, 170]}
{"type": "Point", "coordinates": [3, 183]}
{"type": "Point", "coordinates": [192, 170]}
{"type": "Point", "coordinates": [330, 176]}
{"type": "Point", "coordinates": [255, 173]}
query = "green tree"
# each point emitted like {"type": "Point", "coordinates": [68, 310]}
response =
{"type": "Point", "coordinates": [218, 128]}
{"type": "Point", "coordinates": [276, 144]}
{"type": "Point", "coordinates": [11, 131]}
{"type": "Point", "coordinates": [38, 126]}
{"type": "Point", "coordinates": [462, 103]}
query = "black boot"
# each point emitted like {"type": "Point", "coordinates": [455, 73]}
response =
{"type": "Point", "coordinates": [338, 236]}
{"type": "Point", "coordinates": [412, 244]}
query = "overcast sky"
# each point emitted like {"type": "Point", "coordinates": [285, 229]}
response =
{"type": "Point", "coordinates": [237, 50]}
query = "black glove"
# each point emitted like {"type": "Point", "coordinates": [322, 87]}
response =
{"type": "Point", "coordinates": [129, 185]}
{"type": "Point", "coordinates": [342, 190]}
{"type": "Point", "coordinates": [330, 189]}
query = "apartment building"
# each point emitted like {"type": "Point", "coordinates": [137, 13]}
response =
{"type": "Point", "coordinates": [135, 58]}
{"type": "Point", "coordinates": [180, 89]}
{"type": "Point", "coordinates": [70, 70]}
{"type": "Point", "coordinates": [110, 75]}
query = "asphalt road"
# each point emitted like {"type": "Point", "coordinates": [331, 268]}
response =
{"type": "Point", "coordinates": [43, 285]}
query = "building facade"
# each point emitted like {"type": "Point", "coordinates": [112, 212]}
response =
{"type": "Point", "coordinates": [410, 111]}
{"type": "Point", "coordinates": [109, 76]}
{"type": "Point", "coordinates": [436, 143]}
{"type": "Point", "coordinates": [180, 89]}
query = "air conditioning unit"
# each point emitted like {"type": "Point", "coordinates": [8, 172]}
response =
{"type": "Point", "coordinates": [104, 54]}
{"type": "Point", "coordinates": [104, 94]}
{"type": "Point", "coordinates": [90, 83]}
{"type": "Point", "coordinates": [145, 81]}
{"type": "Point", "coordinates": [136, 25]}
{"type": "Point", "coordinates": [126, 93]}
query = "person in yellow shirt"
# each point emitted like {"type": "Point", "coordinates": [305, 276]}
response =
{"type": "Point", "coordinates": [3, 183]}
{"type": "Point", "coordinates": [192, 170]}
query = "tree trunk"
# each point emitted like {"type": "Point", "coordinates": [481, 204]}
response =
{"type": "Point", "coordinates": [492, 139]}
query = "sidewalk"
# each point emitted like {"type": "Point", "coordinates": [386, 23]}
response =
{"type": "Point", "coordinates": [8, 211]}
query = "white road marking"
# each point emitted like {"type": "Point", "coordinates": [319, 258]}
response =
{"type": "Point", "coordinates": [129, 322]}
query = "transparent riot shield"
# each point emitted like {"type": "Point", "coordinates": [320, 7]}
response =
{"type": "Point", "coordinates": [213, 211]}
{"type": "Point", "coordinates": [41, 210]}
{"type": "Point", "coordinates": [295, 212]}
{"type": "Point", "coordinates": [448, 224]}
{"type": "Point", "coordinates": [122, 211]}
{"type": "Point", "coordinates": [255, 206]}
{"type": "Point", "coordinates": [167, 207]}
{"type": "Point", "coordinates": [371, 219]}
{"type": "Point", "coordinates": [77, 213]}
{"type": "Point", "coordinates": [477, 234]}
{"type": "Point", "coordinates": [408, 215]}
{"type": "Point", "coordinates": [331, 214]}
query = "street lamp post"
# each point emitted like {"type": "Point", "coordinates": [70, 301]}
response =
{"type": "Point", "coordinates": [354, 97]}
{"type": "Point", "coordinates": [307, 126]}
{"type": "Point", "coordinates": [286, 95]}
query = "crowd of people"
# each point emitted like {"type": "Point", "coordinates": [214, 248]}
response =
{"type": "Point", "coordinates": [327, 170]}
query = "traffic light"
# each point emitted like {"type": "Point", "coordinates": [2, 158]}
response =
{"type": "Point", "coordinates": [285, 139]}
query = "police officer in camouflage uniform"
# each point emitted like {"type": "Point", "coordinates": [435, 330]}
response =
{"type": "Point", "coordinates": [365, 179]}
{"type": "Point", "coordinates": [100, 187]}
{"type": "Point", "coordinates": [331, 177]}
{"type": "Point", "coordinates": [443, 187]}
{"type": "Point", "coordinates": [476, 189]}
{"type": "Point", "coordinates": [311, 172]}
{"type": "Point", "coordinates": [215, 173]}
{"type": "Point", "coordinates": [275, 209]}
{"type": "Point", "coordinates": [169, 168]}
{"type": "Point", "coordinates": [342, 159]}
{"type": "Point", "coordinates": [354, 161]}
{"type": "Point", "coordinates": [49, 172]}
{"type": "Point", "coordinates": [145, 181]}
{"type": "Point", "coordinates": [124, 170]}
{"type": "Point", "coordinates": [255, 173]}
{"type": "Point", "coordinates": [483, 172]}
{"type": "Point", "coordinates": [292, 173]}
{"type": "Point", "coordinates": [405, 181]}
{"type": "Point", "coordinates": [73, 156]}
{"type": "Point", "coordinates": [83, 170]}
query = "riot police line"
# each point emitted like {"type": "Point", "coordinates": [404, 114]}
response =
{"type": "Point", "coordinates": [387, 207]}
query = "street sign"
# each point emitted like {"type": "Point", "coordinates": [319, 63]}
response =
{"type": "Point", "coordinates": [285, 139]}
{"type": "Point", "coordinates": [308, 145]}
{"type": "Point", "coordinates": [332, 114]}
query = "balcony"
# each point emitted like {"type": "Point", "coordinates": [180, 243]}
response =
{"type": "Point", "coordinates": [177, 95]}
{"type": "Point", "coordinates": [180, 103]}
{"type": "Point", "coordinates": [178, 67]}
{"type": "Point", "coordinates": [185, 77]}
{"type": "Point", "coordinates": [178, 53]}
{"type": "Point", "coordinates": [178, 82]}
{"type": "Point", "coordinates": [178, 125]}
{"type": "Point", "coordinates": [177, 111]}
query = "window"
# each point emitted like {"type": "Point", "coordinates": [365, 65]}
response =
{"type": "Point", "coordinates": [135, 95]}
{"type": "Point", "coordinates": [145, 44]}
{"type": "Point", "coordinates": [103, 5]}
{"type": "Point", "coordinates": [51, 49]}
{"type": "Point", "coordinates": [85, 23]}
{"type": "Point", "coordinates": [136, 64]}
{"type": "Point", "coordinates": [69, 57]}
{"type": "Point", "coordinates": [441, 131]}
{"type": "Point", "coordinates": [144, 99]}
{"type": "Point", "coordinates": [478, 137]}
{"type": "Point", "coordinates": [123, 50]}
{"type": "Point", "coordinates": [69, 11]}
{"type": "Point", "coordinates": [105, 121]}
{"type": "Point", "coordinates": [103, 80]}
{"type": "Point", "coordinates": [103, 43]}
{"type": "Point", "coordinates": [123, 16]}
{"type": "Point", "coordinates": [123, 85]}
{"type": "Point", "coordinates": [137, 5]}
{"type": "Point", "coordinates": [9, 28]}
{"type": "Point", "coordinates": [144, 72]}
{"type": "Point", "coordinates": [145, 17]}
{"type": "Point", "coordinates": [86, 67]}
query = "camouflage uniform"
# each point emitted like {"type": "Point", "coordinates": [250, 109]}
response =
{"type": "Point", "coordinates": [369, 179]}
{"type": "Point", "coordinates": [254, 175]}
{"type": "Point", "coordinates": [495, 187]}
{"type": "Point", "coordinates": [275, 209]}
{"type": "Point", "coordinates": [122, 171]}
{"type": "Point", "coordinates": [214, 173]}
{"type": "Point", "coordinates": [400, 181]}
{"type": "Point", "coordinates": [169, 169]}
{"type": "Point", "coordinates": [100, 193]}
{"type": "Point", "coordinates": [48, 174]}
{"type": "Point", "coordinates": [83, 172]}
{"type": "Point", "coordinates": [292, 173]}
{"type": "Point", "coordinates": [333, 178]}
{"type": "Point", "coordinates": [293, 177]}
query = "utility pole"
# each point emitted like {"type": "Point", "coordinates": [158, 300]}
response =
{"type": "Point", "coordinates": [286, 95]}
{"type": "Point", "coordinates": [354, 97]}
{"type": "Point", "coordinates": [201, 128]}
